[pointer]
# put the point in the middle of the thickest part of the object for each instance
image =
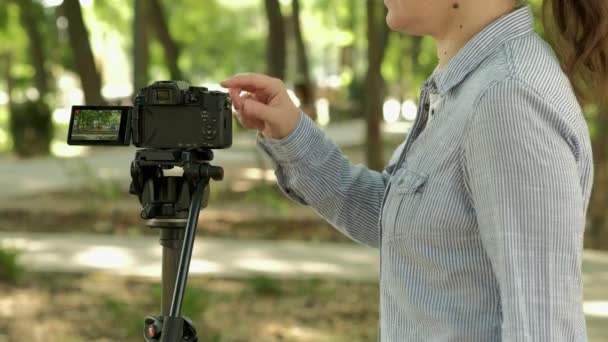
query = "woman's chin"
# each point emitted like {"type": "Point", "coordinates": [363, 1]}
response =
{"type": "Point", "coordinates": [395, 24]}
{"type": "Point", "coordinates": [403, 26]}
{"type": "Point", "coordinates": [392, 22]}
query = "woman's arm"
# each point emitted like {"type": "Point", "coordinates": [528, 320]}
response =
{"type": "Point", "coordinates": [525, 162]}
{"type": "Point", "coordinates": [311, 170]}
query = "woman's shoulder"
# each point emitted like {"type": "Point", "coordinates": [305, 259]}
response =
{"type": "Point", "coordinates": [525, 72]}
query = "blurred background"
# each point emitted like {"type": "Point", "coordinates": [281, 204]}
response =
{"type": "Point", "coordinates": [77, 263]}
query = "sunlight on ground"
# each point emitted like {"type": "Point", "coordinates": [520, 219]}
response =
{"type": "Point", "coordinates": [241, 186]}
{"type": "Point", "coordinates": [398, 127]}
{"type": "Point", "coordinates": [293, 332]}
{"type": "Point", "coordinates": [104, 257]}
{"type": "Point", "coordinates": [22, 243]}
{"type": "Point", "coordinates": [259, 174]}
{"type": "Point", "coordinates": [265, 265]}
{"type": "Point", "coordinates": [63, 150]}
{"type": "Point", "coordinates": [596, 257]}
{"type": "Point", "coordinates": [596, 308]}
{"type": "Point", "coordinates": [203, 266]}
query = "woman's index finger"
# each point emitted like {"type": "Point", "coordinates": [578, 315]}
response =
{"type": "Point", "coordinates": [251, 82]}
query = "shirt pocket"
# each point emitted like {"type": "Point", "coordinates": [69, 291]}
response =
{"type": "Point", "coordinates": [408, 188]}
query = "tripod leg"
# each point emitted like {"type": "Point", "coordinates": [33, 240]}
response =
{"type": "Point", "coordinates": [173, 324]}
{"type": "Point", "coordinates": [171, 240]}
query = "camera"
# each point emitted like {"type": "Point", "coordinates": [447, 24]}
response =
{"type": "Point", "coordinates": [165, 115]}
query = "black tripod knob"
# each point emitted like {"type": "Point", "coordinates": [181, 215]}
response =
{"type": "Point", "coordinates": [216, 173]}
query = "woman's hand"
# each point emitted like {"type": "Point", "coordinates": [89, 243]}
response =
{"type": "Point", "coordinates": [265, 106]}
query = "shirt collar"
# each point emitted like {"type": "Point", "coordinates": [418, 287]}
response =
{"type": "Point", "coordinates": [481, 46]}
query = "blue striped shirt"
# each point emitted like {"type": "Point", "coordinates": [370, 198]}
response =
{"type": "Point", "coordinates": [479, 215]}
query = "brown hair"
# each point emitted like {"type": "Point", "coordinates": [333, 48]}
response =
{"type": "Point", "coordinates": [578, 30]}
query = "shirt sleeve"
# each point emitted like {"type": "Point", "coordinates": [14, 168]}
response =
{"type": "Point", "coordinates": [312, 170]}
{"type": "Point", "coordinates": [520, 162]}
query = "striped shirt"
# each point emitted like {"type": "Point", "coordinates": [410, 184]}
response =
{"type": "Point", "coordinates": [479, 215]}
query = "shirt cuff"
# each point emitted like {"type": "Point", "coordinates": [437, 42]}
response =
{"type": "Point", "coordinates": [299, 144]}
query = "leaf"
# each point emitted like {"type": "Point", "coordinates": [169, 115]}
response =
{"type": "Point", "coordinates": [4, 17]}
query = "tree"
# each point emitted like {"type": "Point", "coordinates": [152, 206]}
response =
{"type": "Point", "coordinates": [277, 44]}
{"type": "Point", "coordinates": [84, 60]}
{"type": "Point", "coordinates": [31, 18]}
{"type": "Point", "coordinates": [596, 235]}
{"type": "Point", "coordinates": [377, 36]}
{"type": "Point", "coordinates": [141, 54]}
{"type": "Point", "coordinates": [30, 121]}
{"type": "Point", "coordinates": [7, 61]}
{"type": "Point", "coordinates": [303, 85]}
{"type": "Point", "coordinates": [159, 25]}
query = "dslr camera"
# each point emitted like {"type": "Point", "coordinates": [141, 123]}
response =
{"type": "Point", "coordinates": [165, 115]}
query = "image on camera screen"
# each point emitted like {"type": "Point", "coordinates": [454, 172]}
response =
{"type": "Point", "coordinates": [96, 124]}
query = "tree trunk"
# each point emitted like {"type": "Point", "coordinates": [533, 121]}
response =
{"type": "Point", "coordinates": [348, 52]}
{"type": "Point", "coordinates": [159, 23]}
{"type": "Point", "coordinates": [377, 36]}
{"type": "Point", "coordinates": [277, 45]}
{"type": "Point", "coordinates": [141, 54]}
{"type": "Point", "coordinates": [303, 85]}
{"type": "Point", "coordinates": [83, 55]}
{"type": "Point", "coordinates": [8, 77]}
{"type": "Point", "coordinates": [596, 235]}
{"type": "Point", "coordinates": [415, 52]}
{"type": "Point", "coordinates": [31, 14]}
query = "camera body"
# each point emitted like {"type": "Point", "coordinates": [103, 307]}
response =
{"type": "Point", "coordinates": [165, 115]}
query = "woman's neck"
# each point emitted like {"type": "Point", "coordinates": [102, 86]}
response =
{"type": "Point", "coordinates": [464, 24]}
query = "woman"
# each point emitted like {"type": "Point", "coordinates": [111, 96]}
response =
{"type": "Point", "coordinates": [479, 215]}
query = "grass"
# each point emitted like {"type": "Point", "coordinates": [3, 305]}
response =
{"type": "Point", "coordinates": [263, 285]}
{"type": "Point", "coordinates": [10, 270]}
{"type": "Point", "coordinates": [263, 213]}
{"type": "Point", "coordinates": [100, 308]}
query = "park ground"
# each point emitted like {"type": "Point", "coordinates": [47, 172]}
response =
{"type": "Point", "coordinates": [264, 268]}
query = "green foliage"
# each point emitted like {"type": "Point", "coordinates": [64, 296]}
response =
{"type": "Point", "coordinates": [3, 17]}
{"type": "Point", "coordinates": [218, 39]}
{"type": "Point", "coordinates": [268, 195]}
{"type": "Point", "coordinates": [31, 128]}
{"type": "Point", "coordinates": [10, 270]}
{"type": "Point", "coordinates": [126, 320]}
{"type": "Point", "coordinates": [197, 301]}
{"type": "Point", "coordinates": [309, 286]}
{"type": "Point", "coordinates": [263, 285]}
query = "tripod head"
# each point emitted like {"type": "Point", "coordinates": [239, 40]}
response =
{"type": "Point", "coordinates": [163, 193]}
{"type": "Point", "coordinates": [172, 187]}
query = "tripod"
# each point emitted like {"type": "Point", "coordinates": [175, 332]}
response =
{"type": "Point", "coordinates": [172, 202]}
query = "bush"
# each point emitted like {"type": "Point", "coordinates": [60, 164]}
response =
{"type": "Point", "coordinates": [31, 128]}
{"type": "Point", "coordinates": [10, 270]}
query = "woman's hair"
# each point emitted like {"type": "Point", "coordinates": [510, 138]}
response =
{"type": "Point", "coordinates": [579, 32]}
